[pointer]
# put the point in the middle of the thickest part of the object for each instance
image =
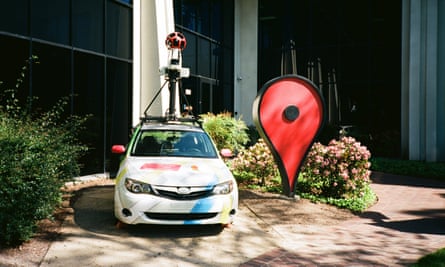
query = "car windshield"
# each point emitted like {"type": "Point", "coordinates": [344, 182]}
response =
{"type": "Point", "coordinates": [174, 143]}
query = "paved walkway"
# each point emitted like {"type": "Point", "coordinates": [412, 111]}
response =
{"type": "Point", "coordinates": [407, 222]}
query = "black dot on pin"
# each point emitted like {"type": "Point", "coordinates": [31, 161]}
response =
{"type": "Point", "coordinates": [291, 113]}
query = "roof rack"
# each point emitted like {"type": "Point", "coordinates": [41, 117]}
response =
{"type": "Point", "coordinates": [164, 119]}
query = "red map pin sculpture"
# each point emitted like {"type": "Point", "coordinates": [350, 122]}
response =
{"type": "Point", "coordinates": [288, 113]}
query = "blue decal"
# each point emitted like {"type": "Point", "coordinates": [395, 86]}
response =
{"type": "Point", "coordinates": [203, 205]}
{"type": "Point", "coordinates": [191, 222]}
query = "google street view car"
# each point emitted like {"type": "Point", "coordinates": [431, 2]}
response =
{"type": "Point", "coordinates": [171, 171]}
{"type": "Point", "coordinates": [172, 174]}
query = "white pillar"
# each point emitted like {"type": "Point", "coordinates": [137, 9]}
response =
{"type": "Point", "coordinates": [423, 97]}
{"type": "Point", "coordinates": [246, 55]}
{"type": "Point", "coordinates": [136, 62]}
{"type": "Point", "coordinates": [152, 21]}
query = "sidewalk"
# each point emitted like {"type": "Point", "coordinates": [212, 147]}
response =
{"type": "Point", "coordinates": [407, 222]}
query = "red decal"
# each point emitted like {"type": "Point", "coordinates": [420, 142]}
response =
{"type": "Point", "coordinates": [288, 113]}
{"type": "Point", "coordinates": [161, 166]}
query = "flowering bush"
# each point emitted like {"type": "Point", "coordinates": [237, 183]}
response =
{"type": "Point", "coordinates": [255, 164]}
{"type": "Point", "coordinates": [338, 170]}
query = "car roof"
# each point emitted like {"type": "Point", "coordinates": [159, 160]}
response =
{"type": "Point", "coordinates": [171, 125]}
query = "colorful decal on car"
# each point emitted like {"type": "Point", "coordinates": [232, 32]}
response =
{"type": "Point", "coordinates": [161, 166]}
{"type": "Point", "coordinates": [194, 167]}
{"type": "Point", "coordinates": [225, 214]}
{"type": "Point", "coordinates": [121, 174]}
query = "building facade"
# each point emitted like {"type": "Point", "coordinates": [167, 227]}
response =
{"type": "Point", "coordinates": [84, 51]}
{"type": "Point", "coordinates": [377, 63]}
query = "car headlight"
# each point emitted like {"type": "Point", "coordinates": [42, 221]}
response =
{"type": "Point", "coordinates": [137, 187]}
{"type": "Point", "coordinates": [223, 188]}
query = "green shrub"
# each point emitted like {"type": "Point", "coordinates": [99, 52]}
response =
{"type": "Point", "coordinates": [255, 165]}
{"type": "Point", "coordinates": [433, 170]}
{"type": "Point", "coordinates": [339, 170]}
{"type": "Point", "coordinates": [39, 154]}
{"type": "Point", "coordinates": [356, 204]}
{"type": "Point", "coordinates": [435, 259]}
{"type": "Point", "coordinates": [225, 130]}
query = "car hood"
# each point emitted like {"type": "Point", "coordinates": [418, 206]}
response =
{"type": "Point", "coordinates": [177, 171]}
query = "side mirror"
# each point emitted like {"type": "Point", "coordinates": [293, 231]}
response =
{"type": "Point", "coordinates": [118, 149]}
{"type": "Point", "coordinates": [226, 153]}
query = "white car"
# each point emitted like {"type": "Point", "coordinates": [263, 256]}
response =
{"type": "Point", "coordinates": [171, 173]}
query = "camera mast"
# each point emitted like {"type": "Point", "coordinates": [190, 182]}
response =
{"type": "Point", "coordinates": [173, 72]}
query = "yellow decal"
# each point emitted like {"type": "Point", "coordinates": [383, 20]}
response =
{"type": "Point", "coordinates": [121, 174]}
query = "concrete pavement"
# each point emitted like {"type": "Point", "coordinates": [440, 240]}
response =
{"type": "Point", "coordinates": [90, 238]}
{"type": "Point", "coordinates": [407, 222]}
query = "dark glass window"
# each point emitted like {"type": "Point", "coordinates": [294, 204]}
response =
{"type": "Point", "coordinates": [88, 99]}
{"type": "Point", "coordinates": [88, 24]}
{"type": "Point", "coordinates": [189, 55]}
{"type": "Point", "coordinates": [50, 20]}
{"type": "Point", "coordinates": [224, 93]}
{"type": "Point", "coordinates": [204, 65]}
{"type": "Point", "coordinates": [51, 77]}
{"type": "Point", "coordinates": [128, 2]}
{"type": "Point", "coordinates": [11, 64]}
{"type": "Point", "coordinates": [208, 28]}
{"type": "Point", "coordinates": [119, 26]}
{"type": "Point", "coordinates": [194, 15]}
{"type": "Point", "coordinates": [210, 18]}
{"type": "Point", "coordinates": [351, 49]}
{"type": "Point", "coordinates": [118, 101]}
{"type": "Point", "coordinates": [204, 95]}
{"type": "Point", "coordinates": [14, 16]}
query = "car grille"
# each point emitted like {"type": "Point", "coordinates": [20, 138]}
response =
{"type": "Point", "coordinates": [190, 196]}
{"type": "Point", "coordinates": [180, 216]}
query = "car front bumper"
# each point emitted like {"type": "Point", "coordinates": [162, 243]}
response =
{"type": "Point", "coordinates": [133, 208]}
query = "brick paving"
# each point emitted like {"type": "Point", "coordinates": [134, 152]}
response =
{"type": "Point", "coordinates": [406, 223]}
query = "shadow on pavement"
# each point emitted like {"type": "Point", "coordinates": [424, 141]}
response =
{"type": "Point", "coordinates": [429, 222]}
{"type": "Point", "coordinates": [432, 226]}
